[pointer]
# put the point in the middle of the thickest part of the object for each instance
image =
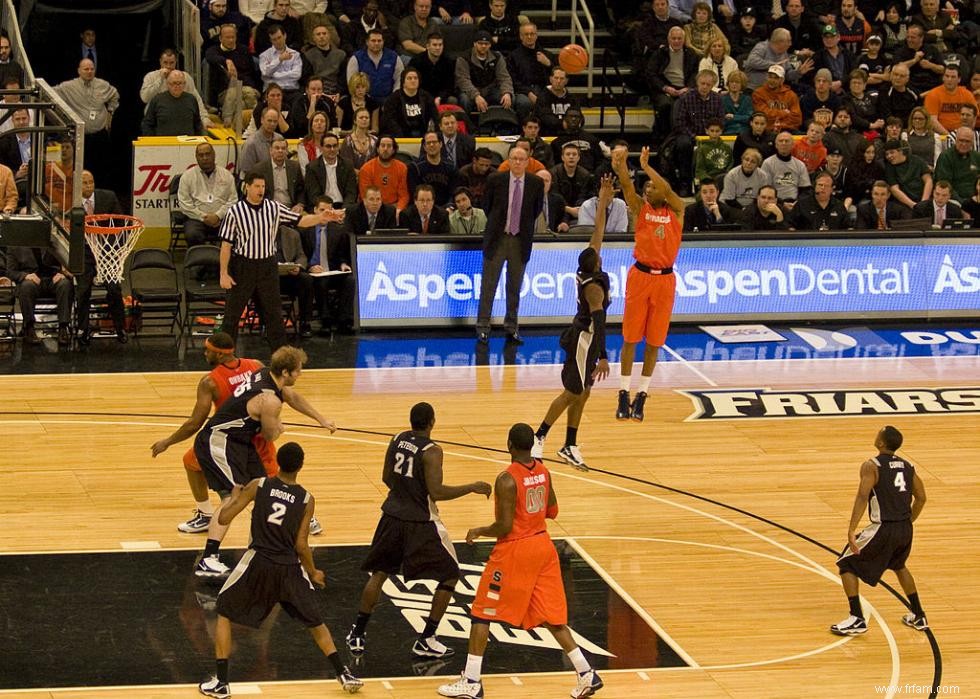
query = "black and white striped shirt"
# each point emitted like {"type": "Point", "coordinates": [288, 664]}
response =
{"type": "Point", "coordinates": [251, 228]}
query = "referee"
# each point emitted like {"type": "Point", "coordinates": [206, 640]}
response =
{"type": "Point", "coordinates": [248, 256]}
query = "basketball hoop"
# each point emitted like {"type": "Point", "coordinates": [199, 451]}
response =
{"type": "Point", "coordinates": [111, 237]}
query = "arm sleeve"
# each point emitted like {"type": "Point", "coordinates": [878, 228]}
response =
{"type": "Point", "coordinates": [599, 325]}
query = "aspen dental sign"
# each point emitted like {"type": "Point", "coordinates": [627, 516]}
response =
{"type": "Point", "coordinates": [439, 284]}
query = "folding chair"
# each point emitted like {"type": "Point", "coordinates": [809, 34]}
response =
{"type": "Point", "coordinates": [156, 293]}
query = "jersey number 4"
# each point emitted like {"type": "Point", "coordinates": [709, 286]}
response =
{"type": "Point", "coordinates": [404, 464]}
{"type": "Point", "coordinates": [900, 481]}
{"type": "Point", "coordinates": [278, 513]}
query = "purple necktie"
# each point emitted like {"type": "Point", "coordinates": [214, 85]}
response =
{"type": "Point", "coordinates": [515, 209]}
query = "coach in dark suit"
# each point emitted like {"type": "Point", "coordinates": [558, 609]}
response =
{"type": "Point", "coordinates": [97, 201]}
{"type": "Point", "coordinates": [423, 217]}
{"type": "Point", "coordinates": [940, 208]}
{"type": "Point", "coordinates": [295, 195]}
{"type": "Point", "coordinates": [38, 272]}
{"type": "Point", "coordinates": [457, 148]}
{"type": "Point", "coordinates": [513, 201]}
{"type": "Point", "coordinates": [359, 217]}
{"type": "Point", "coordinates": [341, 174]}
{"type": "Point", "coordinates": [297, 282]}
{"type": "Point", "coordinates": [881, 203]}
{"type": "Point", "coordinates": [327, 248]}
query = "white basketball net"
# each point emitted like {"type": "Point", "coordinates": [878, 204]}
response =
{"type": "Point", "coordinates": [111, 249]}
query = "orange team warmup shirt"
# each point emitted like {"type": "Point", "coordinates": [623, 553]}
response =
{"type": "Point", "coordinates": [226, 378]}
{"type": "Point", "coordinates": [812, 155]}
{"type": "Point", "coordinates": [521, 584]}
{"type": "Point", "coordinates": [650, 297]}
{"type": "Point", "coordinates": [391, 180]}
{"type": "Point", "coordinates": [946, 107]}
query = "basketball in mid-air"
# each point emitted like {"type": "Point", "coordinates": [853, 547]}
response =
{"type": "Point", "coordinates": [573, 58]}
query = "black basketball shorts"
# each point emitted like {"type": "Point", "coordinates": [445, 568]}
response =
{"type": "Point", "coordinates": [884, 546]}
{"type": "Point", "coordinates": [581, 357]}
{"type": "Point", "coordinates": [226, 463]}
{"type": "Point", "coordinates": [257, 585]}
{"type": "Point", "coordinates": [417, 550]}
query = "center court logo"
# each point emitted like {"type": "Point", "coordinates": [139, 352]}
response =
{"type": "Point", "coordinates": [763, 403]}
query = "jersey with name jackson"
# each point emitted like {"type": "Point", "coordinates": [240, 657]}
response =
{"type": "Point", "coordinates": [408, 495]}
{"type": "Point", "coordinates": [232, 417]}
{"type": "Point", "coordinates": [583, 315]}
{"type": "Point", "coordinates": [276, 519]}
{"type": "Point", "coordinates": [891, 497]}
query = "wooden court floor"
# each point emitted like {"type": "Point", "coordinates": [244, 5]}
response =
{"type": "Point", "coordinates": [747, 601]}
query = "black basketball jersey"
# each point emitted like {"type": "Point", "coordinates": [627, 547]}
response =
{"type": "Point", "coordinates": [891, 498]}
{"type": "Point", "coordinates": [408, 497]}
{"type": "Point", "coordinates": [583, 316]}
{"type": "Point", "coordinates": [276, 518]}
{"type": "Point", "coordinates": [232, 417]}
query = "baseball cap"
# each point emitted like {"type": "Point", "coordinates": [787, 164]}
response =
{"type": "Point", "coordinates": [483, 35]}
{"type": "Point", "coordinates": [747, 12]}
{"type": "Point", "coordinates": [777, 70]}
{"type": "Point", "coordinates": [829, 30]}
{"type": "Point", "coordinates": [875, 37]}
{"type": "Point", "coordinates": [834, 150]}
{"type": "Point", "coordinates": [894, 144]}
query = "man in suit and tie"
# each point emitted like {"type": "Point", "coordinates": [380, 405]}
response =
{"type": "Point", "coordinates": [283, 176]}
{"type": "Point", "coordinates": [330, 175]}
{"type": "Point", "coordinates": [295, 280]}
{"type": "Point", "coordinates": [15, 152]}
{"type": "Point", "coordinates": [328, 249]}
{"type": "Point", "coordinates": [371, 214]}
{"type": "Point", "coordinates": [882, 210]}
{"type": "Point", "coordinates": [423, 217]}
{"type": "Point", "coordinates": [97, 201]}
{"type": "Point", "coordinates": [512, 201]}
{"type": "Point", "coordinates": [457, 148]}
{"type": "Point", "coordinates": [708, 212]}
{"type": "Point", "coordinates": [553, 215]}
{"type": "Point", "coordinates": [940, 208]}
{"type": "Point", "coordinates": [37, 272]}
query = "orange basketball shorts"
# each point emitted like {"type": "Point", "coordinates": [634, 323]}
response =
{"type": "Point", "coordinates": [649, 303]}
{"type": "Point", "coordinates": [521, 584]}
{"type": "Point", "coordinates": [267, 452]}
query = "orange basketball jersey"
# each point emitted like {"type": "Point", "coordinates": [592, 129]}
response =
{"type": "Point", "coordinates": [658, 236]}
{"type": "Point", "coordinates": [533, 491]}
{"type": "Point", "coordinates": [227, 377]}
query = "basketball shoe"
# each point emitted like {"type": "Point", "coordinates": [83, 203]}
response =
{"type": "Point", "coordinates": [211, 567]}
{"type": "Point", "coordinates": [537, 449]}
{"type": "Point", "coordinates": [851, 626]}
{"type": "Point", "coordinates": [214, 688]}
{"type": "Point", "coordinates": [196, 524]}
{"type": "Point", "coordinates": [355, 642]}
{"type": "Point", "coordinates": [462, 687]}
{"type": "Point", "coordinates": [315, 526]}
{"type": "Point", "coordinates": [623, 410]}
{"type": "Point", "coordinates": [636, 410]}
{"type": "Point", "coordinates": [351, 684]}
{"type": "Point", "coordinates": [431, 647]}
{"type": "Point", "coordinates": [573, 457]}
{"type": "Point", "coordinates": [588, 684]}
{"type": "Point", "coordinates": [918, 623]}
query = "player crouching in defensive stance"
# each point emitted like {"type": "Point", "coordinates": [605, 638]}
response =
{"type": "Point", "coordinates": [584, 341]}
{"type": "Point", "coordinates": [521, 584]}
{"type": "Point", "coordinates": [277, 568]}
{"type": "Point", "coordinates": [893, 494]}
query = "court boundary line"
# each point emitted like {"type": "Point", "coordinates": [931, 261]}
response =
{"type": "Point", "coordinates": [688, 365]}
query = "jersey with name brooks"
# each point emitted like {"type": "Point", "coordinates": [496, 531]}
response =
{"type": "Point", "coordinates": [891, 497]}
{"type": "Point", "coordinates": [277, 516]}
{"type": "Point", "coordinates": [408, 495]}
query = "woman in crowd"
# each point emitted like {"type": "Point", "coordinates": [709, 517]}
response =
{"type": "Point", "coordinates": [720, 63]}
{"type": "Point", "coordinates": [921, 137]}
{"type": "Point", "coordinates": [736, 103]}
{"type": "Point", "coordinates": [357, 98]}
{"type": "Point", "coordinates": [309, 147]}
{"type": "Point", "coordinates": [863, 105]}
{"type": "Point", "coordinates": [410, 111]}
{"type": "Point", "coordinates": [271, 97]}
{"type": "Point", "coordinates": [360, 145]}
{"type": "Point", "coordinates": [701, 31]}
{"type": "Point", "coordinates": [862, 172]}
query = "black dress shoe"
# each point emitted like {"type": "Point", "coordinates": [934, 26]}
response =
{"type": "Point", "coordinates": [121, 337]}
{"type": "Point", "coordinates": [64, 338]}
{"type": "Point", "coordinates": [515, 338]}
{"type": "Point", "coordinates": [31, 338]}
{"type": "Point", "coordinates": [305, 330]}
{"type": "Point", "coordinates": [483, 337]}
{"type": "Point", "coordinates": [85, 338]}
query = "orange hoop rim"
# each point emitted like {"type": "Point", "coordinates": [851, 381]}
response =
{"type": "Point", "coordinates": [95, 224]}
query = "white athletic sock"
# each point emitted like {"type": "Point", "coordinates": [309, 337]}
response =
{"type": "Point", "coordinates": [578, 661]}
{"type": "Point", "coordinates": [474, 665]}
{"type": "Point", "coordinates": [624, 382]}
{"type": "Point", "coordinates": [644, 384]}
{"type": "Point", "coordinates": [205, 507]}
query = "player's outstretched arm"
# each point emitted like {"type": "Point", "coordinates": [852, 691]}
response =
{"type": "Point", "coordinates": [295, 400]}
{"type": "Point", "coordinates": [240, 497]}
{"type": "Point", "coordinates": [202, 408]}
{"type": "Point", "coordinates": [633, 200]}
{"type": "Point", "coordinates": [505, 508]}
{"type": "Point", "coordinates": [869, 476]}
{"type": "Point", "coordinates": [661, 188]}
{"type": "Point", "coordinates": [604, 199]}
{"type": "Point", "coordinates": [596, 298]}
{"type": "Point", "coordinates": [432, 464]}
{"type": "Point", "coordinates": [302, 545]}
{"type": "Point", "coordinates": [270, 411]}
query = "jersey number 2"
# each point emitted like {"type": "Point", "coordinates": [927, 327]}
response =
{"type": "Point", "coordinates": [278, 513]}
{"type": "Point", "coordinates": [404, 464]}
{"type": "Point", "coordinates": [900, 481]}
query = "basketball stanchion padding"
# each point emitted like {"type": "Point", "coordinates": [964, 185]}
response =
{"type": "Point", "coordinates": [111, 238]}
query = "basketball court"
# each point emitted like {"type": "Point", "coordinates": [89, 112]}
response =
{"type": "Point", "coordinates": [698, 553]}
